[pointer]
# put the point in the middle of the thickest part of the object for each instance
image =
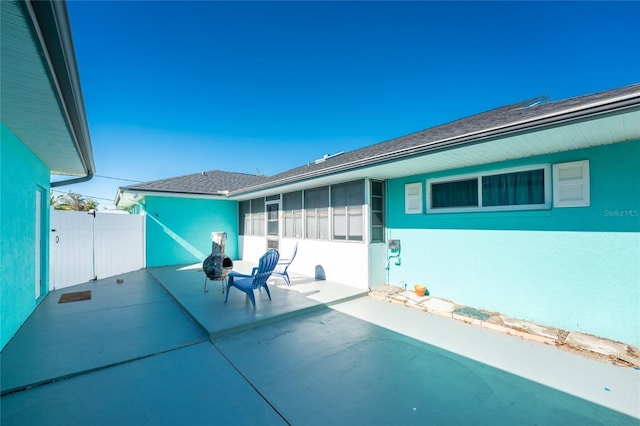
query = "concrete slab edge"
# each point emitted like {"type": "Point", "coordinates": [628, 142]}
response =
{"type": "Point", "coordinates": [270, 320]}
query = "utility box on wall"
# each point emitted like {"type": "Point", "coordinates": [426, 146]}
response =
{"type": "Point", "coordinates": [394, 246]}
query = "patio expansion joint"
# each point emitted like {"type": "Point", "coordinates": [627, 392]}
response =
{"type": "Point", "coordinates": [132, 305]}
{"type": "Point", "coordinates": [254, 387]}
{"type": "Point", "coordinates": [183, 308]}
{"type": "Point", "coordinates": [93, 370]}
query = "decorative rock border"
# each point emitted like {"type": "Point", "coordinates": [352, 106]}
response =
{"type": "Point", "coordinates": [605, 349]}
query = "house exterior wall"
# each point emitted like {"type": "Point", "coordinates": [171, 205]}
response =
{"type": "Point", "coordinates": [573, 268]}
{"type": "Point", "coordinates": [341, 262]}
{"type": "Point", "coordinates": [178, 230]}
{"type": "Point", "coordinates": [22, 175]}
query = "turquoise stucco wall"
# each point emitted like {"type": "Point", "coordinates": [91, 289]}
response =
{"type": "Point", "coordinates": [21, 174]}
{"type": "Point", "coordinates": [178, 229]}
{"type": "Point", "coordinates": [573, 268]}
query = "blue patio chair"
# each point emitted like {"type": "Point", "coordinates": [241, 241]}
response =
{"type": "Point", "coordinates": [283, 265]}
{"type": "Point", "coordinates": [257, 279]}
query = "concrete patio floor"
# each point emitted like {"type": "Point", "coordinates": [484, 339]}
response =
{"type": "Point", "coordinates": [156, 349]}
{"type": "Point", "coordinates": [186, 285]}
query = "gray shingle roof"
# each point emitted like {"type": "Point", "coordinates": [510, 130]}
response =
{"type": "Point", "coordinates": [508, 119]}
{"type": "Point", "coordinates": [213, 182]}
{"type": "Point", "coordinates": [471, 129]}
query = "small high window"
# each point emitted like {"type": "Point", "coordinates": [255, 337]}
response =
{"type": "Point", "coordinates": [523, 188]}
{"type": "Point", "coordinates": [461, 193]}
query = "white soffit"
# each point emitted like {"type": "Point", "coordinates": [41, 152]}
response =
{"type": "Point", "coordinates": [603, 131]}
{"type": "Point", "coordinates": [30, 106]}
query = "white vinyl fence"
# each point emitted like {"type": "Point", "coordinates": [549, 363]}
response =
{"type": "Point", "coordinates": [85, 246]}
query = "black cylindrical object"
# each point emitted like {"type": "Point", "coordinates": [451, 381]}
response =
{"type": "Point", "coordinates": [217, 265]}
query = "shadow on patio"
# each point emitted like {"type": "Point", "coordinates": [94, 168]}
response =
{"type": "Point", "coordinates": [144, 316]}
{"type": "Point", "coordinates": [136, 353]}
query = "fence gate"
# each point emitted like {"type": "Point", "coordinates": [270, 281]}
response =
{"type": "Point", "coordinates": [85, 246]}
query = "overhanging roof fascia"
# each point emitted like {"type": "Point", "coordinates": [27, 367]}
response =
{"type": "Point", "coordinates": [143, 193]}
{"type": "Point", "coordinates": [147, 192]}
{"type": "Point", "coordinates": [607, 107]}
{"type": "Point", "coordinates": [50, 23]}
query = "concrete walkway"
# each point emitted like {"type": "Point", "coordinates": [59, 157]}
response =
{"type": "Point", "coordinates": [137, 353]}
{"type": "Point", "coordinates": [605, 384]}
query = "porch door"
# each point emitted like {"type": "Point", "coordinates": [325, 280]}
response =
{"type": "Point", "coordinates": [273, 223]}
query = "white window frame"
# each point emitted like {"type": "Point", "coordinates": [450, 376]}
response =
{"type": "Point", "coordinates": [580, 183]}
{"type": "Point", "coordinates": [259, 219]}
{"type": "Point", "coordinates": [364, 213]}
{"type": "Point", "coordinates": [413, 196]}
{"type": "Point", "coordinates": [293, 216]}
{"type": "Point", "coordinates": [369, 196]}
{"type": "Point", "coordinates": [480, 208]}
{"type": "Point", "coordinates": [316, 216]}
{"type": "Point", "coordinates": [246, 219]}
{"type": "Point", "coordinates": [349, 213]}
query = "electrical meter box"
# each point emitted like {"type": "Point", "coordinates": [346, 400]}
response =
{"type": "Point", "coordinates": [394, 246]}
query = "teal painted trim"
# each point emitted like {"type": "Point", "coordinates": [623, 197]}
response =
{"type": "Point", "coordinates": [615, 197]}
{"type": "Point", "coordinates": [178, 230]}
{"type": "Point", "coordinates": [21, 175]}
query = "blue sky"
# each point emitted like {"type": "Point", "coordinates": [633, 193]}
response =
{"type": "Point", "coordinates": [173, 88]}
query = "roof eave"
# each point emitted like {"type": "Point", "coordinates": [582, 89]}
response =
{"type": "Point", "coordinates": [51, 24]}
{"type": "Point", "coordinates": [607, 107]}
{"type": "Point", "coordinates": [139, 194]}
